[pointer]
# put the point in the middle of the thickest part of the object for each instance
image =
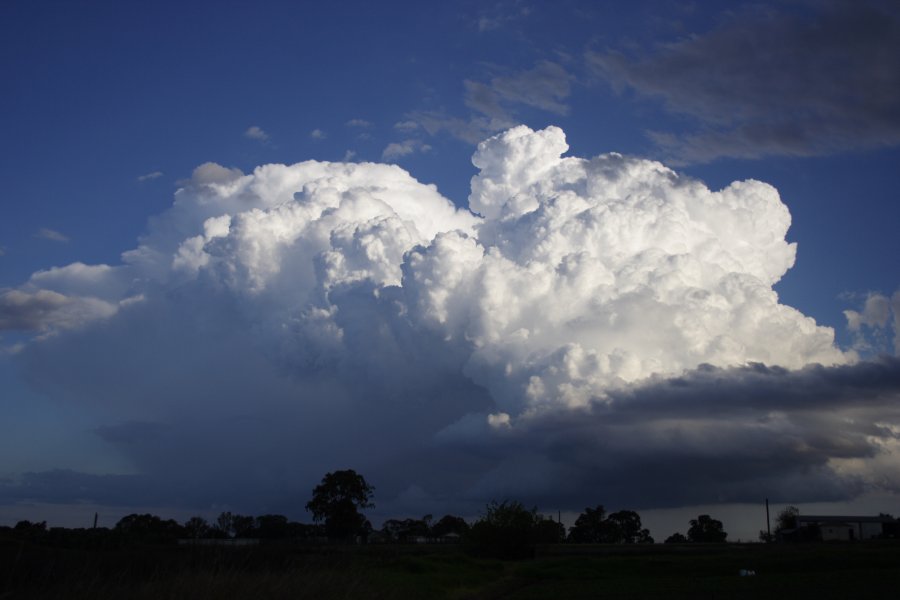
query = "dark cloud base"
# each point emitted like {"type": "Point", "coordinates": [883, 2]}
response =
{"type": "Point", "coordinates": [710, 436]}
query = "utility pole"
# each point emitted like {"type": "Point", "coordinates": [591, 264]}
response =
{"type": "Point", "coordinates": [95, 520]}
{"type": "Point", "coordinates": [559, 522]}
{"type": "Point", "coordinates": [768, 525]}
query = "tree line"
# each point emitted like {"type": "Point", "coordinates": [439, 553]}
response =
{"type": "Point", "coordinates": [505, 529]}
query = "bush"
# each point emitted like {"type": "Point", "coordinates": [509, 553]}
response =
{"type": "Point", "coordinates": [509, 530]}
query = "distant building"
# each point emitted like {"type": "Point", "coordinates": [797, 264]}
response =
{"type": "Point", "coordinates": [837, 528]}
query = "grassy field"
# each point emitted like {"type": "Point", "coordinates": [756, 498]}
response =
{"type": "Point", "coordinates": [870, 570]}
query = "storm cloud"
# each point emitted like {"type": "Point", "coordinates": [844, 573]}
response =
{"type": "Point", "coordinates": [598, 329]}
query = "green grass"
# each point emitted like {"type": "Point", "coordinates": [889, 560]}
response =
{"type": "Point", "coordinates": [412, 572]}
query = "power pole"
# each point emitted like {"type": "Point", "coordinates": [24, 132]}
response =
{"type": "Point", "coordinates": [768, 525]}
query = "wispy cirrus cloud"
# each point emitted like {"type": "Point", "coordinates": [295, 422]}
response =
{"type": "Point", "coordinates": [546, 86]}
{"type": "Point", "coordinates": [495, 103]}
{"type": "Point", "coordinates": [149, 176]}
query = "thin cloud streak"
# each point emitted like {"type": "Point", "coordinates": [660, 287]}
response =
{"type": "Point", "coordinates": [52, 235]}
{"type": "Point", "coordinates": [149, 176]}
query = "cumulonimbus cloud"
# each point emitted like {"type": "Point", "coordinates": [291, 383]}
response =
{"type": "Point", "coordinates": [275, 325]}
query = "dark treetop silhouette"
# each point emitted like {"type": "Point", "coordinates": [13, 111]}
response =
{"type": "Point", "coordinates": [338, 500]}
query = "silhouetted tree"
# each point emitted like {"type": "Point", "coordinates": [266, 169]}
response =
{"type": "Point", "coordinates": [305, 531]}
{"type": "Point", "coordinates": [225, 524]}
{"type": "Point", "coordinates": [148, 527]}
{"type": "Point", "coordinates": [509, 530]}
{"type": "Point", "coordinates": [590, 527]}
{"type": "Point", "coordinates": [548, 531]}
{"type": "Point", "coordinates": [338, 500]}
{"type": "Point", "coordinates": [676, 538]}
{"type": "Point", "coordinates": [593, 526]}
{"type": "Point", "coordinates": [29, 530]}
{"type": "Point", "coordinates": [450, 524]}
{"type": "Point", "coordinates": [706, 529]}
{"type": "Point", "coordinates": [272, 527]}
{"type": "Point", "coordinates": [624, 527]}
{"type": "Point", "coordinates": [196, 528]}
{"type": "Point", "coordinates": [407, 529]}
{"type": "Point", "coordinates": [243, 526]}
{"type": "Point", "coordinates": [787, 518]}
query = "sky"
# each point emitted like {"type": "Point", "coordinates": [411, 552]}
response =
{"type": "Point", "coordinates": [576, 253]}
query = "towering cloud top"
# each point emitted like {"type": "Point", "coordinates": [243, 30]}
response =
{"type": "Point", "coordinates": [578, 275]}
{"type": "Point", "coordinates": [589, 273]}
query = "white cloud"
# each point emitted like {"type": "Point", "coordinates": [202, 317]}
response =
{"type": "Point", "coordinates": [256, 133]}
{"type": "Point", "coordinates": [871, 328]}
{"type": "Point", "coordinates": [51, 234]}
{"type": "Point", "coordinates": [44, 310]}
{"type": "Point", "coordinates": [406, 126]}
{"type": "Point", "coordinates": [396, 150]}
{"type": "Point", "coordinates": [349, 155]}
{"type": "Point", "coordinates": [360, 123]}
{"type": "Point", "coordinates": [81, 279]}
{"type": "Point", "coordinates": [876, 312]}
{"type": "Point", "coordinates": [602, 317]}
{"type": "Point", "coordinates": [150, 176]}
{"type": "Point", "coordinates": [317, 134]}
{"type": "Point", "coordinates": [213, 173]}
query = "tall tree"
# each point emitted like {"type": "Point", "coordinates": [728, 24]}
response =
{"type": "Point", "coordinates": [593, 526]}
{"type": "Point", "coordinates": [625, 527]}
{"type": "Point", "coordinates": [338, 500]}
{"type": "Point", "coordinates": [196, 528]}
{"type": "Point", "coordinates": [450, 524]}
{"type": "Point", "coordinates": [506, 530]}
{"type": "Point", "coordinates": [706, 529]}
{"type": "Point", "coordinates": [787, 518]}
{"type": "Point", "coordinates": [590, 526]}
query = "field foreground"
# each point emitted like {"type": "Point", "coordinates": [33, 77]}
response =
{"type": "Point", "coordinates": [860, 570]}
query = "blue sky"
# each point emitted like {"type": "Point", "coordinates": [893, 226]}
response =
{"type": "Point", "coordinates": [110, 106]}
